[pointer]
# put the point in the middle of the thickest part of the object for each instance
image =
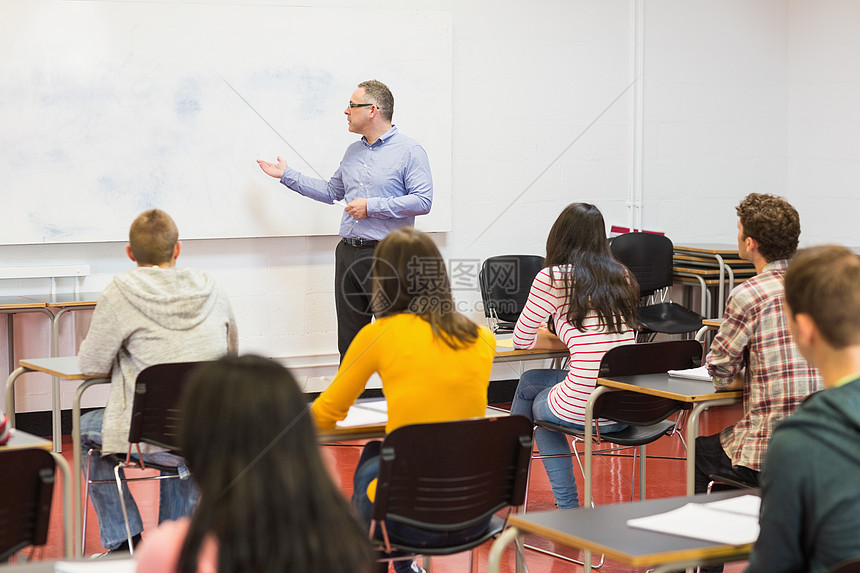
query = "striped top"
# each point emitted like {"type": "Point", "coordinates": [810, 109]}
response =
{"type": "Point", "coordinates": [547, 301]}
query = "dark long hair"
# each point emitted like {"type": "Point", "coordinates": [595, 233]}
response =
{"type": "Point", "coordinates": [596, 281]}
{"type": "Point", "coordinates": [266, 496]}
{"type": "Point", "coordinates": [409, 276]}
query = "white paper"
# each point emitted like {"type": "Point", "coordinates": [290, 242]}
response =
{"type": "Point", "coordinates": [744, 504]}
{"type": "Point", "coordinates": [358, 416]}
{"type": "Point", "coordinates": [700, 373]}
{"type": "Point", "coordinates": [698, 521]}
{"type": "Point", "coordinates": [97, 566]}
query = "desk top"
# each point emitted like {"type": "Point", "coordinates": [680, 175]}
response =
{"type": "Point", "coordinates": [66, 299]}
{"type": "Point", "coordinates": [604, 529]}
{"type": "Point", "coordinates": [710, 248]}
{"type": "Point", "coordinates": [674, 388]}
{"type": "Point", "coordinates": [19, 440]}
{"type": "Point", "coordinates": [19, 302]}
{"type": "Point", "coordinates": [64, 367]}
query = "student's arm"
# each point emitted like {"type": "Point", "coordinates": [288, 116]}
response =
{"type": "Point", "coordinates": [359, 363]}
{"type": "Point", "coordinates": [726, 360]}
{"type": "Point", "coordinates": [780, 543]}
{"type": "Point", "coordinates": [104, 339]}
{"type": "Point", "coordinates": [539, 306]}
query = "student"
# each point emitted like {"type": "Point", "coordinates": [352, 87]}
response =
{"type": "Point", "coordinates": [151, 314]}
{"type": "Point", "coordinates": [810, 512]}
{"type": "Point", "coordinates": [434, 362]}
{"type": "Point", "coordinates": [384, 179]}
{"type": "Point", "coordinates": [591, 300]}
{"type": "Point", "coordinates": [267, 502]}
{"type": "Point", "coordinates": [753, 350]}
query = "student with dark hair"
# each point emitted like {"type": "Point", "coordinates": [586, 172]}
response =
{"type": "Point", "coordinates": [267, 501]}
{"type": "Point", "coordinates": [810, 507]}
{"type": "Point", "coordinates": [434, 362]}
{"type": "Point", "coordinates": [590, 299]}
{"type": "Point", "coordinates": [153, 313]}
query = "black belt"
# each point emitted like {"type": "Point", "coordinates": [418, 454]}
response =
{"type": "Point", "coordinates": [358, 242]}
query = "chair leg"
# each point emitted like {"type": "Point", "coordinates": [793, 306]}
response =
{"type": "Point", "coordinates": [124, 509]}
{"type": "Point", "coordinates": [643, 458]}
{"type": "Point", "coordinates": [86, 501]}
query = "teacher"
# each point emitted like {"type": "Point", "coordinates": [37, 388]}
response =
{"type": "Point", "coordinates": [384, 179]}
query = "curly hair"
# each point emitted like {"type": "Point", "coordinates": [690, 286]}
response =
{"type": "Point", "coordinates": [772, 222]}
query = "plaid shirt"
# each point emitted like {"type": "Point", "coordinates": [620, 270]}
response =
{"type": "Point", "coordinates": [755, 335]}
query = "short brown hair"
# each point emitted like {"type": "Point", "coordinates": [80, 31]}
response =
{"type": "Point", "coordinates": [380, 96]}
{"type": "Point", "coordinates": [772, 222]}
{"type": "Point", "coordinates": [824, 283]}
{"type": "Point", "coordinates": [152, 237]}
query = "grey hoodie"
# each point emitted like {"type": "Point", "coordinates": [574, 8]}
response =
{"type": "Point", "coordinates": [146, 316]}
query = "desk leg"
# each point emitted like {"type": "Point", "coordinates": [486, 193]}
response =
{"type": "Point", "coordinates": [693, 432]}
{"type": "Point", "coordinates": [76, 459]}
{"type": "Point", "coordinates": [10, 394]}
{"type": "Point", "coordinates": [68, 526]}
{"type": "Point", "coordinates": [499, 545]}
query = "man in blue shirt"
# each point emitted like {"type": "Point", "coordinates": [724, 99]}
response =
{"type": "Point", "coordinates": [385, 180]}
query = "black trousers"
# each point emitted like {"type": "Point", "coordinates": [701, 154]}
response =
{"type": "Point", "coordinates": [712, 459]}
{"type": "Point", "coordinates": [353, 285]}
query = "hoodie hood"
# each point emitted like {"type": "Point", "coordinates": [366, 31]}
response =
{"type": "Point", "coordinates": [174, 298]}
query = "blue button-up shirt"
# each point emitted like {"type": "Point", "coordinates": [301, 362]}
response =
{"type": "Point", "coordinates": [393, 175]}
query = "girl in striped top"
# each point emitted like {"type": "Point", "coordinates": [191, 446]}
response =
{"type": "Point", "coordinates": [590, 299]}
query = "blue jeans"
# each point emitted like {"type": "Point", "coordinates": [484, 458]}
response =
{"type": "Point", "coordinates": [365, 472]}
{"type": "Point", "coordinates": [531, 400]}
{"type": "Point", "coordinates": [178, 496]}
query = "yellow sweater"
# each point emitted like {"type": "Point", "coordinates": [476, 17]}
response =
{"type": "Point", "coordinates": [423, 379]}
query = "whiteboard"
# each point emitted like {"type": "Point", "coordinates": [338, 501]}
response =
{"type": "Point", "coordinates": [112, 108]}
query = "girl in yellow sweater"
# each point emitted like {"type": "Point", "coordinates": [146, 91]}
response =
{"type": "Point", "coordinates": [434, 362]}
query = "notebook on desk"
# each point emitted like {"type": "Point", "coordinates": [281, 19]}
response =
{"type": "Point", "coordinates": [700, 373]}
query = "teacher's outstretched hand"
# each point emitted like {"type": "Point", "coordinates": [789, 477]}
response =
{"type": "Point", "coordinates": [276, 170]}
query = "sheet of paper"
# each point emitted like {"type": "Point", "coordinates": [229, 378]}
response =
{"type": "Point", "coordinates": [700, 373]}
{"type": "Point", "coordinates": [504, 343]}
{"type": "Point", "coordinates": [697, 521]}
{"type": "Point", "coordinates": [744, 504]}
{"type": "Point", "coordinates": [358, 416]}
{"type": "Point", "coordinates": [97, 566]}
{"type": "Point", "coordinates": [380, 405]}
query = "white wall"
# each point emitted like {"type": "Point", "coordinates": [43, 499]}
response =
{"type": "Point", "coordinates": [739, 96]}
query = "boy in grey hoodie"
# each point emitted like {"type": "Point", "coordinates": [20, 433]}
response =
{"type": "Point", "coordinates": [810, 483]}
{"type": "Point", "coordinates": [152, 314]}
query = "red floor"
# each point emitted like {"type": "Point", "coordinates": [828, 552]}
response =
{"type": "Point", "coordinates": [665, 478]}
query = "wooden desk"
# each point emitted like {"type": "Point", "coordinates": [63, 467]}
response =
{"type": "Point", "coordinates": [504, 354]}
{"type": "Point", "coordinates": [19, 440]}
{"type": "Point", "coordinates": [11, 305]}
{"type": "Point", "coordinates": [701, 395]}
{"type": "Point", "coordinates": [604, 530]}
{"type": "Point", "coordinates": [63, 368]}
{"type": "Point", "coordinates": [719, 252]}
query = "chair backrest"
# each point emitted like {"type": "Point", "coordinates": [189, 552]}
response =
{"type": "Point", "coordinates": [452, 475]}
{"type": "Point", "coordinates": [649, 258]}
{"type": "Point", "coordinates": [505, 281]}
{"type": "Point", "coordinates": [156, 414]}
{"type": "Point", "coordinates": [635, 408]}
{"type": "Point", "coordinates": [26, 491]}
{"type": "Point", "coordinates": [651, 358]}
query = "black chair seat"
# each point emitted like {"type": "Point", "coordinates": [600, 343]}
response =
{"type": "Point", "coordinates": [669, 318]}
{"type": "Point", "coordinates": [733, 481]}
{"type": "Point", "coordinates": [630, 436]}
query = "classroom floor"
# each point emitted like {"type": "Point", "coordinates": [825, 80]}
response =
{"type": "Point", "coordinates": [665, 478]}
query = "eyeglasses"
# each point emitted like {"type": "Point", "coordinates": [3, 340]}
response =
{"type": "Point", "coordinates": [355, 105]}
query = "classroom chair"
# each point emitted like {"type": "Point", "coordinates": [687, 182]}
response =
{"type": "Point", "coordinates": [646, 416]}
{"type": "Point", "coordinates": [26, 493]}
{"type": "Point", "coordinates": [505, 282]}
{"type": "Point", "coordinates": [449, 476]}
{"type": "Point", "coordinates": [155, 420]}
{"type": "Point", "coordinates": [649, 258]}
